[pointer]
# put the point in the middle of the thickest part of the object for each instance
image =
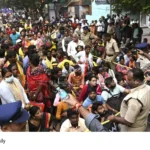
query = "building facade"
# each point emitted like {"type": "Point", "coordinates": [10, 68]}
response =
{"type": "Point", "coordinates": [145, 20]}
{"type": "Point", "coordinates": [79, 8]}
{"type": "Point", "coordinates": [99, 8]}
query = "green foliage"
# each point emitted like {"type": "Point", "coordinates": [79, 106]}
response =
{"type": "Point", "coordinates": [21, 3]}
{"type": "Point", "coordinates": [132, 5]}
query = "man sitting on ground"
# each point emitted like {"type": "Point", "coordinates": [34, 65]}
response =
{"type": "Point", "coordinates": [74, 123]}
{"type": "Point", "coordinates": [93, 97]}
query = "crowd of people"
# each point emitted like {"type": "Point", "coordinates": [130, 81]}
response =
{"type": "Point", "coordinates": [103, 67]}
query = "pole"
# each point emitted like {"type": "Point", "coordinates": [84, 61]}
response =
{"type": "Point", "coordinates": [55, 9]}
{"type": "Point", "coordinates": [49, 12]}
{"type": "Point", "coordinates": [110, 7]}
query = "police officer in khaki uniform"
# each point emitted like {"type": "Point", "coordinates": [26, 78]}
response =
{"type": "Point", "coordinates": [111, 49]}
{"type": "Point", "coordinates": [143, 61]}
{"type": "Point", "coordinates": [87, 36]}
{"type": "Point", "coordinates": [135, 106]}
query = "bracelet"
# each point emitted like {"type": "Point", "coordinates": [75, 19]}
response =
{"type": "Point", "coordinates": [78, 105]}
{"type": "Point", "coordinates": [74, 107]}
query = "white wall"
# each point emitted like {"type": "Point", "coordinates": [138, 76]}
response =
{"type": "Point", "coordinates": [51, 14]}
{"type": "Point", "coordinates": [98, 11]}
{"type": "Point", "coordinates": [71, 11]}
{"type": "Point", "coordinates": [144, 20]}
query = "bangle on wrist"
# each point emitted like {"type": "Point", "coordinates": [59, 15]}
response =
{"type": "Point", "coordinates": [76, 106]}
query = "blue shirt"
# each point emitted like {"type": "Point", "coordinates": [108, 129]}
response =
{"type": "Point", "coordinates": [88, 101]}
{"type": "Point", "coordinates": [14, 38]}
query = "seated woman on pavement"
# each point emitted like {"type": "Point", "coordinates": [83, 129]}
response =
{"type": "Point", "coordinates": [62, 107]}
{"type": "Point", "coordinates": [39, 121]}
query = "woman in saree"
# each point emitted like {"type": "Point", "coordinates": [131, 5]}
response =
{"type": "Point", "coordinates": [37, 82]}
{"type": "Point", "coordinates": [39, 121]}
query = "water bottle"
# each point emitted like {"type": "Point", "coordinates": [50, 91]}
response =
{"type": "Point", "coordinates": [63, 95]}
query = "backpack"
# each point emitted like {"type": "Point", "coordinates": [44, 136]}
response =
{"type": "Point", "coordinates": [115, 101]}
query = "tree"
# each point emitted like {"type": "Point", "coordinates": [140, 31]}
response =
{"type": "Point", "coordinates": [34, 5]}
{"type": "Point", "coordinates": [131, 5]}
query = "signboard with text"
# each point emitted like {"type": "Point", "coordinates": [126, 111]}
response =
{"type": "Point", "coordinates": [86, 2]}
{"type": "Point", "coordinates": [101, 2]}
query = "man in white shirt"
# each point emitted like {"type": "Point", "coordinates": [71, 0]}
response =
{"type": "Point", "coordinates": [73, 44]}
{"type": "Point", "coordinates": [23, 16]}
{"type": "Point", "coordinates": [74, 123]}
{"type": "Point", "coordinates": [117, 19]}
{"type": "Point", "coordinates": [84, 24]}
{"type": "Point", "coordinates": [41, 19]}
{"type": "Point", "coordinates": [84, 57]}
{"type": "Point", "coordinates": [113, 89]}
{"type": "Point", "coordinates": [66, 39]}
{"type": "Point", "coordinates": [100, 27]}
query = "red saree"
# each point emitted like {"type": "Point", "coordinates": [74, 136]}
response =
{"type": "Point", "coordinates": [35, 79]}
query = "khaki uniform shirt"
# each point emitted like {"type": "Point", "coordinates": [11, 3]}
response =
{"type": "Point", "coordinates": [86, 38]}
{"type": "Point", "coordinates": [111, 47]}
{"type": "Point", "coordinates": [144, 62]}
{"type": "Point", "coordinates": [133, 111]}
{"type": "Point", "coordinates": [110, 29]}
{"type": "Point", "coordinates": [78, 32]}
